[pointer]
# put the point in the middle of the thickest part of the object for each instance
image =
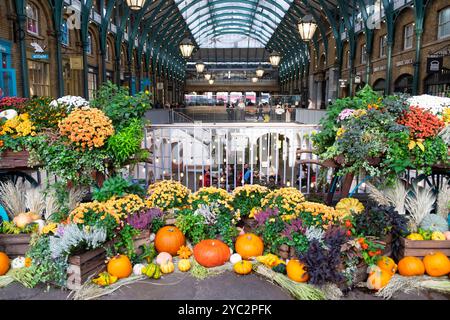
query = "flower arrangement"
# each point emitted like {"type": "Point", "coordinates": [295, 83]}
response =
{"type": "Point", "coordinates": [287, 200]}
{"type": "Point", "coordinates": [87, 128]}
{"type": "Point", "coordinates": [210, 195]}
{"type": "Point", "coordinates": [319, 215]}
{"type": "Point", "coordinates": [13, 103]}
{"type": "Point", "coordinates": [44, 114]}
{"type": "Point", "coordinates": [247, 199]}
{"type": "Point", "coordinates": [433, 104]}
{"type": "Point", "coordinates": [20, 126]}
{"type": "Point", "coordinates": [167, 194]}
{"type": "Point", "coordinates": [69, 103]}
{"type": "Point", "coordinates": [421, 123]}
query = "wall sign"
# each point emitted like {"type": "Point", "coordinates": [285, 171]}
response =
{"type": "Point", "coordinates": [434, 64]}
{"type": "Point", "coordinates": [40, 56]}
{"type": "Point", "coordinates": [76, 63]}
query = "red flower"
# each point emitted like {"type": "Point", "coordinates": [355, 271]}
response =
{"type": "Point", "coordinates": [421, 123]}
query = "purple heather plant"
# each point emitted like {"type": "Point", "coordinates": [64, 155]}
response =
{"type": "Point", "coordinates": [261, 217]}
{"type": "Point", "coordinates": [144, 219]}
{"type": "Point", "coordinates": [291, 227]}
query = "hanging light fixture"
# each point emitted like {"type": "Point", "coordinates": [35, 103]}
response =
{"type": "Point", "coordinates": [307, 27]}
{"type": "Point", "coordinates": [255, 79]}
{"type": "Point", "coordinates": [211, 81]}
{"type": "Point", "coordinates": [200, 66]}
{"type": "Point", "coordinates": [186, 47]}
{"type": "Point", "coordinates": [259, 71]}
{"type": "Point", "coordinates": [208, 76]}
{"type": "Point", "coordinates": [135, 4]}
{"type": "Point", "coordinates": [275, 59]}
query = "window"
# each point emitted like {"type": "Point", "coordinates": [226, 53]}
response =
{"type": "Point", "coordinates": [92, 83]}
{"type": "Point", "coordinates": [89, 44]}
{"type": "Point", "coordinates": [348, 58]}
{"type": "Point", "coordinates": [32, 19]}
{"type": "Point", "coordinates": [408, 35]}
{"type": "Point", "coordinates": [64, 33]}
{"type": "Point", "coordinates": [444, 23]}
{"type": "Point", "coordinates": [108, 56]}
{"type": "Point", "coordinates": [383, 44]}
{"type": "Point", "coordinates": [363, 54]}
{"type": "Point", "coordinates": [39, 78]}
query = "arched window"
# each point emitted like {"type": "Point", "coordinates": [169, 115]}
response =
{"type": "Point", "coordinates": [379, 86]}
{"type": "Point", "coordinates": [32, 18]}
{"type": "Point", "coordinates": [109, 54]}
{"type": "Point", "coordinates": [65, 33]}
{"type": "Point", "coordinates": [403, 84]}
{"type": "Point", "coordinates": [90, 46]}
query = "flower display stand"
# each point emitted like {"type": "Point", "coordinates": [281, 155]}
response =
{"type": "Point", "coordinates": [84, 265]}
{"type": "Point", "coordinates": [420, 248]}
{"type": "Point", "coordinates": [14, 160]}
{"type": "Point", "coordinates": [14, 245]}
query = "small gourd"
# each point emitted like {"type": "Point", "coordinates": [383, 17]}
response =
{"type": "Point", "coordinates": [163, 257]}
{"type": "Point", "coordinates": [167, 267]}
{"type": "Point", "coordinates": [137, 269]}
{"type": "Point", "coordinates": [184, 265]}
{"type": "Point", "coordinates": [235, 258]}
{"type": "Point", "coordinates": [243, 267]}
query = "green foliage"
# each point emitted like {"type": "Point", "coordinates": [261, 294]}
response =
{"type": "Point", "coordinates": [8, 227]}
{"type": "Point", "coordinates": [116, 186]}
{"type": "Point", "coordinates": [67, 163]}
{"type": "Point", "coordinates": [42, 114]}
{"type": "Point", "coordinates": [192, 225]}
{"type": "Point", "coordinates": [157, 224]}
{"type": "Point", "coordinates": [44, 268]}
{"type": "Point", "coordinates": [280, 268]}
{"type": "Point", "coordinates": [148, 253]}
{"type": "Point", "coordinates": [125, 243]}
{"type": "Point", "coordinates": [126, 142]}
{"type": "Point", "coordinates": [119, 106]}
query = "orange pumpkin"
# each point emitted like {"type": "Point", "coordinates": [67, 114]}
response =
{"type": "Point", "coordinates": [169, 239]}
{"type": "Point", "coordinates": [378, 278]}
{"type": "Point", "coordinates": [4, 263]}
{"type": "Point", "coordinates": [387, 264]}
{"type": "Point", "coordinates": [411, 266]}
{"type": "Point", "coordinates": [436, 264]}
{"type": "Point", "coordinates": [296, 271]}
{"type": "Point", "coordinates": [120, 267]}
{"type": "Point", "coordinates": [249, 245]}
{"type": "Point", "coordinates": [211, 253]}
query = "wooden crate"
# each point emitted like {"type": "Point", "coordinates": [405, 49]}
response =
{"type": "Point", "coordinates": [84, 265]}
{"type": "Point", "coordinates": [14, 160]}
{"type": "Point", "coordinates": [14, 245]}
{"type": "Point", "coordinates": [420, 248]}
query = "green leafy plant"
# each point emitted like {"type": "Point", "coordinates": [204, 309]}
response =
{"type": "Point", "coordinates": [125, 241]}
{"type": "Point", "coordinates": [127, 142]}
{"type": "Point", "coordinates": [192, 225]}
{"type": "Point", "coordinates": [119, 106]}
{"type": "Point", "coordinates": [116, 186]}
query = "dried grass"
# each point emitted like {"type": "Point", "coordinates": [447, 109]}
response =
{"type": "Point", "coordinates": [396, 196]}
{"type": "Point", "coordinates": [51, 205]}
{"type": "Point", "coordinates": [420, 203]}
{"type": "Point", "coordinates": [376, 195]}
{"type": "Point", "coordinates": [76, 195]}
{"type": "Point", "coordinates": [443, 199]}
{"type": "Point", "coordinates": [35, 200]}
{"type": "Point", "coordinates": [12, 198]}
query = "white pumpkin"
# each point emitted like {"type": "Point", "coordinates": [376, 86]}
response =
{"type": "Point", "coordinates": [18, 263]}
{"type": "Point", "coordinates": [152, 237]}
{"type": "Point", "coordinates": [8, 114]}
{"type": "Point", "coordinates": [137, 269]}
{"type": "Point", "coordinates": [235, 258]}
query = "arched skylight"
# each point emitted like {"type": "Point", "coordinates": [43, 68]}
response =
{"type": "Point", "coordinates": [238, 23]}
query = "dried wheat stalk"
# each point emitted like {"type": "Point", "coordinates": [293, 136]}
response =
{"type": "Point", "coordinates": [443, 199]}
{"type": "Point", "coordinates": [420, 203]}
{"type": "Point", "coordinates": [376, 195]}
{"type": "Point", "coordinates": [397, 196]}
{"type": "Point", "coordinates": [12, 198]}
{"type": "Point", "coordinates": [76, 195]}
{"type": "Point", "coordinates": [35, 200]}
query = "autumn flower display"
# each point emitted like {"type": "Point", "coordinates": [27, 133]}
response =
{"type": "Point", "coordinates": [422, 124]}
{"type": "Point", "coordinates": [20, 126]}
{"type": "Point", "coordinates": [167, 194]}
{"type": "Point", "coordinates": [87, 128]}
{"type": "Point", "coordinates": [209, 195]}
{"type": "Point", "coordinates": [247, 199]}
{"type": "Point", "coordinates": [287, 200]}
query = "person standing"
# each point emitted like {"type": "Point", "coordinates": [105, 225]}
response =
{"type": "Point", "coordinates": [288, 113]}
{"type": "Point", "coordinates": [260, 112]}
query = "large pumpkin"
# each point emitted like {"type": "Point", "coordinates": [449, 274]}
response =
{"type": "Point", "coordinates": [211, 253]}
{"type": "Point", "coordinates": [296, 271]}
{"type": "Point", "coordinates": [249, 245]}
{"type": "Point", "coordinates": [4, 263]}
{"type": "Point", "coordinates": [378, 278]}
{"type": "Point", "coordinates": [387, 264]}
{"type": "Point", "coordinates": [169, 239]}
{"type": "Point", "coordinates": [120, 267]}
{"type": "Point", "coordinates": [411, 266]}
{"type": "Point", "coordinates": [436, 264]}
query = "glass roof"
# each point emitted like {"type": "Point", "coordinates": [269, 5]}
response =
{"type": "Point", "coordinates": [233, 24]}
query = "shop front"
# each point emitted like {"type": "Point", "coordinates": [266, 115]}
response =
{"type": "Point", "coordinates": [8, 87]}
